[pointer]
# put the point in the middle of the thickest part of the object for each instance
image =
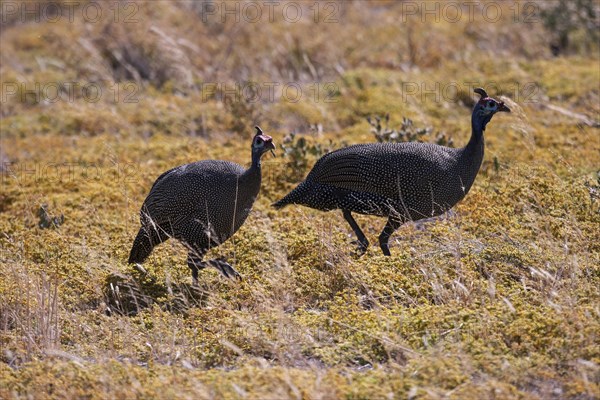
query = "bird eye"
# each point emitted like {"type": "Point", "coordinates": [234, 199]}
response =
{"type": "Point", "coordinates": [259, 141]}
{"type": "Point", "coordinates": [491, 104]}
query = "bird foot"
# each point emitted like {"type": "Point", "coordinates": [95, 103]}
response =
{"type": "Point", "coordinates": [227, 270]}
{"type": "Point", "coordinates": [361, 248]}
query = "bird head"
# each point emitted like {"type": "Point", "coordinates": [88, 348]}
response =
{"type": "Point", "coordinates": [262, 143]}
{"type": "Point", "coordinates": [485, 109]}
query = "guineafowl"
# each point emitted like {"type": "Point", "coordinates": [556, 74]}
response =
{"type": "Point", "coordinates": [401, 181]}
{"type": "Point", "coordinates": [201, 204]}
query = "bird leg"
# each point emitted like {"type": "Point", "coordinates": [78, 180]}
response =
{"type": "Point", "coordinates": [363, 243]}
{"type": "Point", "coordinates": [225, 268]}
{"type": "Point", "coordinates": [194, 261]}
{"type": "Point", "coordinates": [391, 226]}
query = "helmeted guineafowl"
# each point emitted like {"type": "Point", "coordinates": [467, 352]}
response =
{"type": "Point", "coordinates": [202, 204]}
{"type": "Point", "coordinates": [401, 181]}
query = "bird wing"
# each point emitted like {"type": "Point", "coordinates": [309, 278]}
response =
{"type": "Point", "coordinates": [183, 192]}
{"type": "Point", "coordinates": [377, 168]}
{"type": "Point", "coordinates": [339, 168]}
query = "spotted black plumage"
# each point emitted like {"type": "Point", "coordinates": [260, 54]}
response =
{"type": "Point", "coordinates": [400, 181]}
{"type": "Point", "coordinates": [202, 204]}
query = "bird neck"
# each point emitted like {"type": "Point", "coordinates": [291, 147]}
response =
{"type": "Point", "coordinates": [479, 122]}
{"type": "Point", "coordinates": [256, 156]}
{"type": "Point", "coordinates": [472, 154]}
{"type": "Point", "coordinates": [253, 173]}
{"type": "Point", "coordinates": [476, 141]}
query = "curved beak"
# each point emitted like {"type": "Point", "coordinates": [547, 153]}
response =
{"type": "Point", "coordinates": [271, 147]}
{"type": "Point", "coordinates": [503, 108]}
{"type": "Point", "coordinates": [268, 143]}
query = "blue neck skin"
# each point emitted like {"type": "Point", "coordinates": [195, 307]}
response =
{"type": "Point", "coordinates": [478, 123]}
{"type": "Point", "coordinates": [471, 156]}
{"type": "Point", "coordinates": [254, 169]}
{"type": "Point", "coordinates": [256, 156]}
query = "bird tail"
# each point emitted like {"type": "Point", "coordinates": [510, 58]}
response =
{"type": "Point", "coordinates": [292, 197]}
{"type": "Point", "coordinates": [142, 247]}
{"type": "Point", "coordinates": [281, 203]}
{"type": "Point", "coordinates": [288, 199]}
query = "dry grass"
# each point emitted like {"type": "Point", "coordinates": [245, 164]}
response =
{"type": "Point", "coordinates": [497, 300]}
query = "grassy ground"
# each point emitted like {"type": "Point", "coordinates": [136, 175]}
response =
{"type": "Point", "coordinates": [499, 299]}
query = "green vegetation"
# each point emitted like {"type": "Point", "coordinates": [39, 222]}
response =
{"type": "Point", "coordinates": [407, 132]}
{"type": "Point", "coordinates": [499, 299]}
